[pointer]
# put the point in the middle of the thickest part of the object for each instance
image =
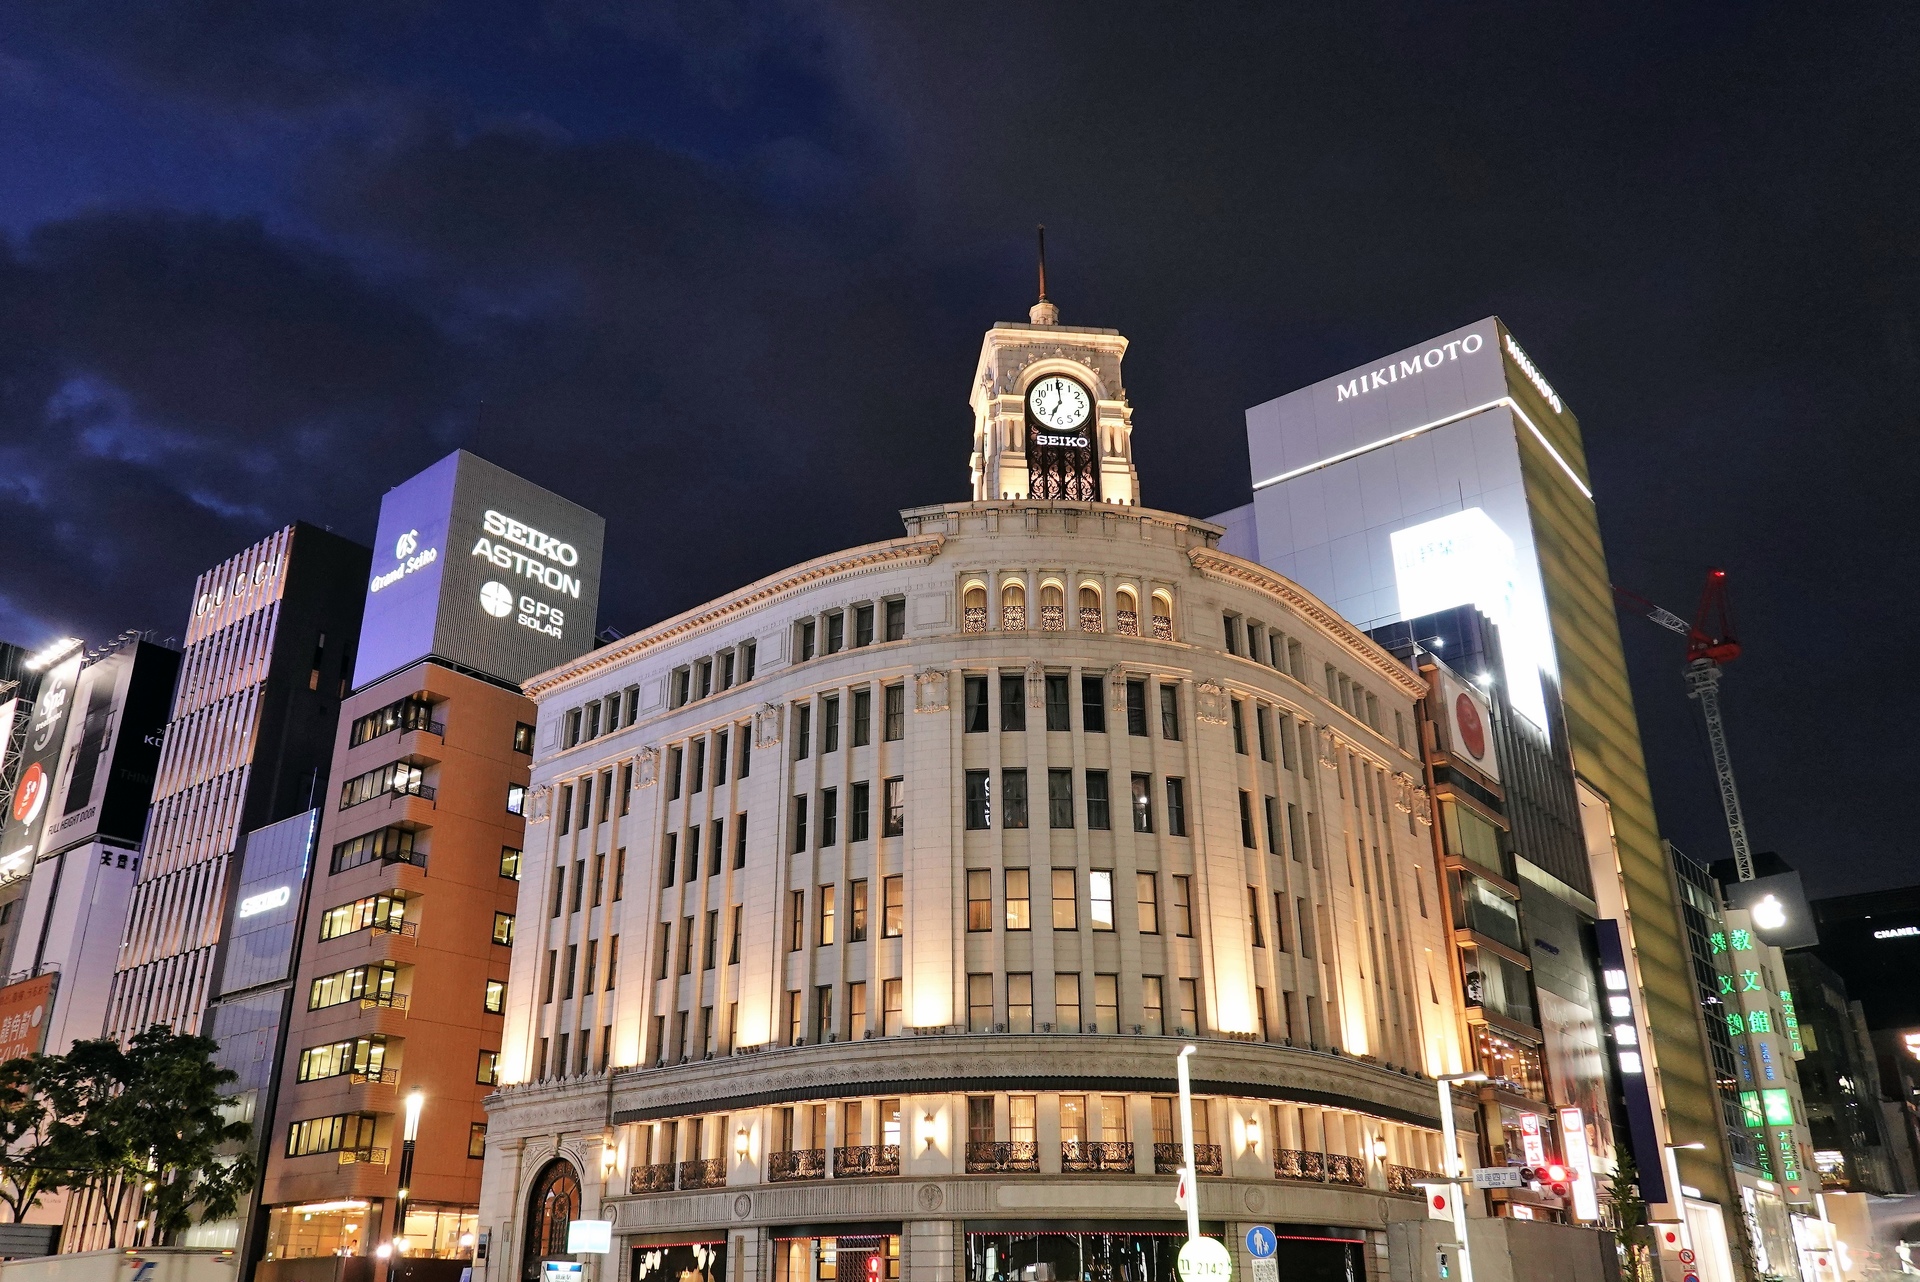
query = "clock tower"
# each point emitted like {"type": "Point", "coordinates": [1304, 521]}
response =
{"type": "Point", "coordinates": [1050, 414]}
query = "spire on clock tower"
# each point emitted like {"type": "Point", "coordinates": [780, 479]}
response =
{"type": "Point", "coordinates": [1050, 414]}
{"type": "Point", "coordinates": [1043, 312]}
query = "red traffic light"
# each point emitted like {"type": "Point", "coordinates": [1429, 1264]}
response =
{"type": "Point", "coordinates": [873, 1267]}
{"type": "Point", "coordinates": [1558, 1174]}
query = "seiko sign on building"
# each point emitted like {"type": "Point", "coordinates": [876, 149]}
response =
{"type": "Point", "coordinates": [476, 566]}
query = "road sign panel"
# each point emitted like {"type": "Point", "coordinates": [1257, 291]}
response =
{"type": "Point", "coordinates": [1261, 1242]}
{"type": "Point", "coordinates": [1496, 1177]}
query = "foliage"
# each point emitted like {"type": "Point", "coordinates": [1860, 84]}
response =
{"type": "Point", "coordinates": [146, 1119]}
{"type": "Point", "coordinates": [1630, 1225]}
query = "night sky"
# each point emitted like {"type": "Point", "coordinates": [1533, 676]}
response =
{"type": "Point", "coordinates": [719, 271]}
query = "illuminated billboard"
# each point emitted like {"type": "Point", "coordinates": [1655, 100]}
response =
{"type": "Point", "coordinates": [26, 818]}
{"type": "Point", "coordinates": [112, 753]}
{"type": "Point", "coordinates": [478, 567]}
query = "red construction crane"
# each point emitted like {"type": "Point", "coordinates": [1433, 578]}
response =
{"type": "Point", "coordinates": [1710, 646]}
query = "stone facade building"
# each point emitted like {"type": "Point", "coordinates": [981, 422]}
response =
{"type": "Point", "coordinates": [866, 909]}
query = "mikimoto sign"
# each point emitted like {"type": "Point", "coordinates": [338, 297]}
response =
{"type": "Point", "coordinates": [483, 568]}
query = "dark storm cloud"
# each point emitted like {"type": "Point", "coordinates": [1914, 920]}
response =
{"type": "Point", "coordinates": [719, 272]}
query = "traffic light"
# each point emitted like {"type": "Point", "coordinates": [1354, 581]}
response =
{"type": "Point", "coordinates": [1559, 1180]}
{"type": "Point", "coordinates": [873, 1268]}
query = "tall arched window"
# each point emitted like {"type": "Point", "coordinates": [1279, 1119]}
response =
{"type": "Point", "coordinates": [1162, 617]}
{"type": "Point", "coordinates": [1013, 607]}
{"type": "Point", "coordinates": [1053, 608]}
{"type": "Point", "coordinates": [1090, 620]}
{"type": "Point", "coordinates": [553, 1203]}
{"type": "Point", "coordinates": [975, 602]}
{"type": "Point", "coordinates": [1126, 613]}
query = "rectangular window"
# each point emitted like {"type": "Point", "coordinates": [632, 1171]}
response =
{"type": "Point", "coordinates": [1137, 708]}
{"type": "Point", "coordinates": [516, 799]}
{"type": "Point", "coordinates": [1013, 798]}
{"type": "Point", "coordinates": [626, 786]}
{"type": "Point", "coordinates": [1189, 1009]}
{"type": "Point", "coordinates": [553, 969]}
{"type": "Point", "coordinates": [895, 699]}
{"type": "Point", "coordinates": [720, 758]}
{"type": "Point", "coordinates": [503, 929]}
{"type": "Point", "coordinates": [686, 946]}
{"type": "Point", "coordinates": [893, 906]}
{"type": "Point", "coordinates": [896, 619]}
{"type": "Point", "coordinates": [827, 896]}
{"type": "Point", "coordinates": [566, 809]}
{"type": "Point", "coordinates": [477, 1140]}
{"type": "Point", "coordinates": [746, 752]}
{"type": "Point", "coordinates": [1019, 1003]}
{"type": "Point", "coordinates": [836, 632]}
{"type": "Point", "coordinates": [1106, 1003]}
{"type": "Point", "coordinates": [1018, 882]}
{"type": "Point", "coordinates": [979, 899]}
{"type": "Point", "coordinates": [1093, 705]}
{"type": "Point", "coordinates": [980, 1004]}
{"type": "Point", "coordinates": [893, 818]}
{"type": "Point", "coordinates": [979, 810]}
{"type": "Point", "coordinates": [1253, 916]}
{"type": "Point", "coordinates": [863, 625]}
{"type": "Point", "coordinates": [523, 738]}
{"type": "Point", "coordinates": [1182, 906]}
{"type": "Point", "coordinates": [716, 847]}
{"type": "Point", "coordinates": [1066, 1015]}
{"type": "Point", "coordinates": [560, 883]}
{"type": "Point", "coordinates": [709, 943]}
{"type": "Point", "coordinates": [1066, 903]}
{"type": "Point", "coordinates": [1271, 807]}
{"type": "Point", "coordinates": [974, 717]}
{"type": "Point", "coordinates": [1176, 807]}
{"type": "Point", "coordinates": [823, 1030]}
{"type": "Point", "coordinates": [1266, 738]}
{"type": "Point", "coordinates": [606, 795]}
{"type": "Point", "coordinates": [1143, 803]}
{"type": "Point", "coordinates": [1154, 1019]}
{"type": "Point", "coordinates": [1146, 889]}
{"type": "Point", "coordinates": [613, 961]}
{"type": "Point", "coordinates": [1100, 899]}
{"type": "Point", "coordinates": [580, 880]}
{"type": "Point", "coordinates": [342, 1133]}
{"type": "Point", "coordinates": [1280, 931]}
{"type": "Point", "coordinates": [800, 824]}
{"type": "Point", "coordinates": [892, 1023]}
{"type": "Point", "coordinates": [733, 936]}
{"type": "Point", "coordinates": [1247, 835]}
{"type": "Point", "coordinates": [739, 841]}
{"type": "Point", "coordinates": [1295, 834]}
{"type": "Point", "coordinates": [797, 922]}
{"type": "Point", "coordinates": [666, 951]}
{"type": "Point", "coordinates": [1170, 713]}
{"type": "Point", "coordinates": [389, 845]}
{"type": "Point", "coordinates": [829, 817]}
{"type": "Point", "coordinates": [802, 730]}
{"type": "Point", "coordinates": [375, 912]}
{"type": "Point", "coordinates": [364, 1056]}
{"type": "Point", "coordinates": [857, 903]}
{"type": "Point", "coordinates": [748, 649]}
{"type": "Point", "coordinates": [1239, 727]}
{"type": "Point", "coordinates": [487, 1071]}
{"type": "Point", "coordinates": [567, 977]}
{"type": "Point", "coordinates": [673, 773]}
{"type": "Point", "coordinates": [1060, 798]}
{"type": "Point", "coordinates": [1288, 757]}
{"type": "Point", "coordinates": [859, 817]}
{"type": "Point", "coordinates": [372, 984]}
{"type": "Point", "coordinates": [496, 998]}
{"type": "Point", "coordinates": [857, 1011]}
{"type": "Point", "coordinates": [693, 855]}
{"type": "Point", "coordinates": [1099, 805]}
{"type": "Point", "coordinates": [1059, 713]}
{"type": "Point", "coordinates": [862, 718]}
{"type": "Point", "coordinates": [796, 1014]}
{"type": "Point", "coordinates": [830, 723]}
{"type": "Point", "coordinates": [804, 641]}
{"type": "Point", "coordinates": [1232, 627]}
{"type": "Point", "coordinates": [1013, 701]}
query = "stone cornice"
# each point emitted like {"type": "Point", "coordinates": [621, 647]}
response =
{"type": "Point", "coordinates": [1224, 568]}
{"type": "Point", "coordinates": [922, 549]}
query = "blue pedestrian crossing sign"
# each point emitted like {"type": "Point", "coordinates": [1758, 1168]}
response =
{"type": "Point", "coordinates": [1261, 1242]}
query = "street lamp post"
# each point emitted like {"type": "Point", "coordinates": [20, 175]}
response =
{"type": "Point", "coordinates": [1456, 1167]}
{"type": "Point", "coordinates": [411, 1133]}
{"type": "Point", "coordinates": [1186, 1145]}
{"type": "Point", "coordinates": [1674, 1195]}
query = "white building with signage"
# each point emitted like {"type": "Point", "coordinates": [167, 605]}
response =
{"type": "Point", "coordinates": [865, 909]}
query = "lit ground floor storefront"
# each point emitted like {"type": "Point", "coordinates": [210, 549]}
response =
{"type": "Point", "coordinates": [339, 1241]}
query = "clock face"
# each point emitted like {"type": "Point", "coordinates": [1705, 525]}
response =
{"type": "Point", "coordinates": [1059, 403]}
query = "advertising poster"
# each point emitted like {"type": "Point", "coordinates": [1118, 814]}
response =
{"type": "Point", "coordinates": [25, 1009]}
{"type": "Point", "coordinates": [33, 794]}
{"type": "Point", "coordinates": [1576, 1070]}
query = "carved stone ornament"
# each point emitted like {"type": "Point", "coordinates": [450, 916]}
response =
{"type": "Point", "coordinates": [930, 1197]}
{"type": "Point", "coordinates": [766, 725]}
{"type": "Point", "coordinates": [1329, 753]}
{"type": "Point", "coordinates": [649, 767]}
{"type": "Point", "coordinates": [1422, 805]}
{"type": "Point", "coordinates": [1117, 692]}
{"type": "Point", "coordinates": [1036, 684]}
{"type": "Point", "coordinates": [1403, 786]}
{"type": "Point", "coordinates": [1212, 703]}
{"type": "Point", "coordinates": [742, 1207]}
{"type": "Point", "coordinates": [538, 804]}
{"type": "Point", "coordinates": [930, 691]}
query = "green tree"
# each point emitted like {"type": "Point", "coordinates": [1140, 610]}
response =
{"type": "Point", "coordinates": [38, 1153]}
{"type": "Point", "coordinates": [1630, 1227]}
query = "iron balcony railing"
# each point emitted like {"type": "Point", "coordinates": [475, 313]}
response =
{"type": "Point", "coordinates": [1112, 1157]}
{"type": "Point", "coordinates": [1000, 1157]}
{"type": "Point", "coordinates": [797, 1164]}
{"type": "Point", "coordinates": [656, 1178]}
{"type": "Point", "coordinates": [855, 1161]}
{"type": "Point", "coordinates": [1167, 1159]}
{"type": "Point", "coordinates": [703, 1173]}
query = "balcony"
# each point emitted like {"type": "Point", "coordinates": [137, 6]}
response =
{"type": "Point", "coordinates": [378, 1077]}
{"type": "Point", "coordinates": [1090, 620]}
{"type": "Point", "coordinates": [1342, 1169]}
{"type": "Point", "coordinates": [390, 1001]}
{"type": "Point", "coordinates": [1127, 622]}
{"type": "Point", "coordinates": [861, 1160]}
{"type": "Point", "coordinates": [1053, 618]}
{"type": "Point", "coordinates": [657, 1178]}
{"type": "Point", "coordinates": [1108, 1157]}
{"type": "Point", "coordinates": [704, 1173]}
{"type": "Point", "coordinates": [1407, 1179]}
{"type": "Point", "coordinates": [1162, 628]}
{"type": "Point", "coordinates": [1167, 1159]}
{"type": "Point", "coordinates": [1013, 618]}
{"type": "Point", "coordinates": [1002, 1157]}
{"type": "Point", "coordinates": [363, 1157]}
{"type": "Point", "coordinates": [1299, 1164]}
{"type": "Point", "coordinates": [797, 1164]}
{"type": "Point", "coordinates": [975, 620]}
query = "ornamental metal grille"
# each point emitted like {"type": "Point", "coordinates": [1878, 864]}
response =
{"type": "Point", "coordinates": [1061, 471]}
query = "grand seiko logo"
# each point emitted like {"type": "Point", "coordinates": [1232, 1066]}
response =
{"type": "Point", "coordinates": [1393, 372]}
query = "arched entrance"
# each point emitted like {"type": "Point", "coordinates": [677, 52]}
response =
{"type": "Point", "coordinates": [553, 1202]}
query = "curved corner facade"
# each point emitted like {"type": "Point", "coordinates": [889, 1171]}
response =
{"type": "Point", "coordinates": [866, 910]}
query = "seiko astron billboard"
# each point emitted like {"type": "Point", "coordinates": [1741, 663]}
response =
{"type": "Point", "coordinates": [480, 568]}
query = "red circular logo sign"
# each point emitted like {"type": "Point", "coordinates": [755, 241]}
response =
{"type": "Point", "coordinates": [30, 794]}
{"type": "Point", "coordinates": [1439, 1201]}
{"type": "Point", "coordinates": [1473, 735]}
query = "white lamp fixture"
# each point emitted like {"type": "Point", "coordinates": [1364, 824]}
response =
{"type": "Point", "coordinates": [1253, 1133]}
{"type": "Point", "coordinates": [740, 1144]}
{"type": "Point", "coordinates": [414, 1103]}
{"type": "Point", "coordinates": [52, 653]}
